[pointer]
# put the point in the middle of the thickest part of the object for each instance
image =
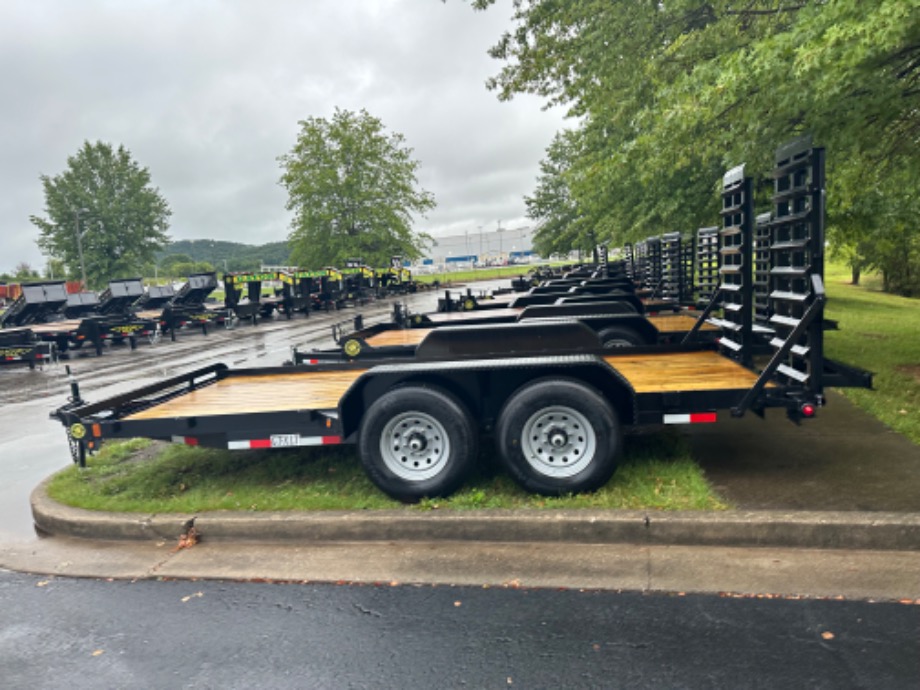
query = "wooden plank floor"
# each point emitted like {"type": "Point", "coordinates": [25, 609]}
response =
{"type": "Point", "coordinates": [309, 390]}
{"type": "Point", "coordinates": [681, 371]}
{"type": "Point", "coordinates": [56, 327]}
{"type": "Point", "coordinates": [678, 323]}
{"type": "Point", "coordinates": [402, 336]}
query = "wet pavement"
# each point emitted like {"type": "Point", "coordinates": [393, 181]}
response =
{"type": "Point", "coordinates": [843, 459]}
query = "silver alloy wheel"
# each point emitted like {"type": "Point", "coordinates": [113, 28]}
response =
{"type": "Point", "coordinates": [558, 441]}
{"type": "Point", "coordinates": [414, 446]}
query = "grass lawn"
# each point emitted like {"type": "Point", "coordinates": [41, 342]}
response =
{"type": "Point", "coordinates": [881, 333]}
{"type": "Point", "coordinates": [139, 476]}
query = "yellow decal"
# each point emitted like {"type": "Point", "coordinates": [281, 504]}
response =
{"type": "Point", "coordinates": [469, 304]}
{"type": "Point", "coordinates": [127, 329]}
{"type": "Point", "coordinates": [77, 431]}
{"type": "Point", "coordinates": [14, 351]}
{"type": "Point", "coordinates": [352, 348]}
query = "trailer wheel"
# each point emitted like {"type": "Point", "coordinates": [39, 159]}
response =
{"type": "Point", "coordinates": [417, 442]}
{"type": "Point", "coordinates": [558, 436]}
{"type": "Point", "coordinates": [620, 336]}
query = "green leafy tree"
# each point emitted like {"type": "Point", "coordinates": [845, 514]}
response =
{"type": "Point", "coordinates": [24, 272]}
{"type": "Point", "coordinates": [106, 196]}
{"type": "Point", "coordinates": [562, 225]}
{"type": "Point", "coordinates": [353, 189]}
{"type": "Point", "coordinates": [669, 94]}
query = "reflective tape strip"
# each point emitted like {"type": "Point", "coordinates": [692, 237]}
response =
{"type": "Point", "coordinates": [692, 418]}
{"type": "Point", "coordinates": [187, 440]}
{"type": "Point", "coordinates": [300, 441]}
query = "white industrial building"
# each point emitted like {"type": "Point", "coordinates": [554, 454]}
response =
{"type": "Point", "coordinates": [482, 246]}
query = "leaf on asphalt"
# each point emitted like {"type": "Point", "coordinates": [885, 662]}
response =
{"type": "Point", "coordinates": [191, 596]}
{"type": "Point", "coordinates": [43, 583]}
{"type": "Point", "coordinates": [99, 652]}
{"type": "Point", "coordinates": [827, 635]}
{"type": "Point", "coordinates": [458, 604]}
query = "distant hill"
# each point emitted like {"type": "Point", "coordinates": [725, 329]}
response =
{"type": "Point", "coordinates": [239, 257]}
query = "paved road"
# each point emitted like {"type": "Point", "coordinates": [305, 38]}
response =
{"type": "Point", "coordinates": [60, 633]}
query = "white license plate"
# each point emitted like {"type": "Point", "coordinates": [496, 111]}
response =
{"type": "Point", "coordinates": [285, 440]}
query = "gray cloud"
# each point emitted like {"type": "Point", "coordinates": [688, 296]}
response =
{"type": "Point", "coordinates": [207, 95]}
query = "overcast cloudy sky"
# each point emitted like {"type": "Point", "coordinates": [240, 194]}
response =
{"type": "Point", "coordinates": [207, 94]}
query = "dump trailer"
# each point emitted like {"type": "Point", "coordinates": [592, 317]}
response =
{"type": "Point", "coordinates": [80, 304]}
{"type": "Point", "coordinates": [557, 418]}
{"type": "Point", "coordinates": [22, 346]}
{"type": "Point", "coordinates": [41, 307]}
{"type": "Point", "coordinates": [189, 307]}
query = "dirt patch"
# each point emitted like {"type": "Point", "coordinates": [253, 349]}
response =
{"type": "Point", "coordinates": [912, 370]}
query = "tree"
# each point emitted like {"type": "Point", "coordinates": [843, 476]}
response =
{"type": "Point", "coordinates": [353, 190]}
{"type": "Point", "coordinates": [562, 224]}
{"type": "Point", "coordinates": [106, 196]}
{"type": "Point", "coordinates": [669, 94]}
{"type": "Point", "coordinates": [24, 272]}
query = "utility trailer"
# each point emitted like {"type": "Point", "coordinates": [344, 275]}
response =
{"type": "Point", "coordinates": [420, 335]}
{"type": "Point", "coordinates": [557, 419]}
{"type": "Point", "coordinates": [21, 346]}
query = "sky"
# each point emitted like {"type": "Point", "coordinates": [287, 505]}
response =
{"type": "Point", "coordinates": [207, 94]}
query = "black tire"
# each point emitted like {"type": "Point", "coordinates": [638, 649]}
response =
{"type": "Point", "coordinates": [613, 337]}
{"type": "Point", "coordinates": [445, 438]}
{"type": "Point", "coordinates": [558, 436]}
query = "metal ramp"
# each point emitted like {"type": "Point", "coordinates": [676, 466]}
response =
{"type": "Point", "coordinates": [707, 264]}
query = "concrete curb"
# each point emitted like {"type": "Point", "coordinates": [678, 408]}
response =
{"type": "Point", "coordinates": [792, 529]}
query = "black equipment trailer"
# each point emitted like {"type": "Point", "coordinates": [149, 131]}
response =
{"type": "Point", "coordinates": [614, 323]}
{"type": "Point", "coordinates": [557, 418]}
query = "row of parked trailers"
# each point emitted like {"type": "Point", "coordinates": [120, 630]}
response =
{"type": "Point", "coordinates": [555, 396]}
{"type": "Point", "coordinates": [47, 319]}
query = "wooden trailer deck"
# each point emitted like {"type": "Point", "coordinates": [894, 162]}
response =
{"type": "Point", "coordinates": [310, 390]}
{"type": "Point", "coordinates": [56, 326]}
{"type": "Point", "coordinates": [682, 371]}
{"type": "Point", "coordinates": [322, 390]}
{"type": "Point", "coordinates": [678, 323]}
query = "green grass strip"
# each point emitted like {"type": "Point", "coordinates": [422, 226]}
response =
{"type": "Point", "coordinates": [657, 473]}
{"type": "Point", "coordinates": [877, 332]}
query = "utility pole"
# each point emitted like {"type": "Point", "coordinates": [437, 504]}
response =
{"type": "Point", "coordinates": [499, 231]}
{"type": "Point", "coordinates": [77, 213]}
